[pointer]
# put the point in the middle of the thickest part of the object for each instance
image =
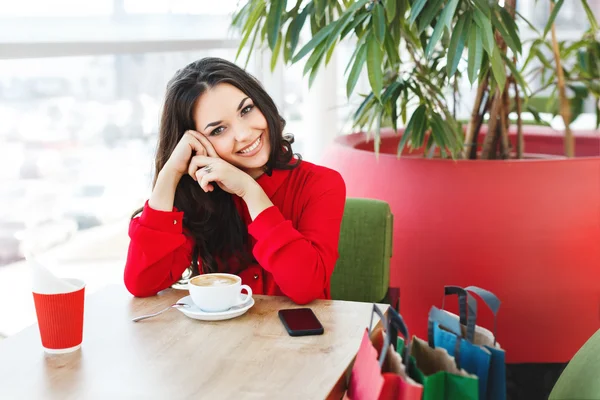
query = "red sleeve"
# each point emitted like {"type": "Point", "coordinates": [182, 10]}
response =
{"type": "Point", "coordinates": [159, 252]}
{"type": "Point", "coordinates": [302, 260]}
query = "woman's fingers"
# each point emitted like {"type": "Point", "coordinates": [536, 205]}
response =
{"type": "Point", "coordinates": [197, 162]}
{"type": "Point", "coordinates": [195, 143]}
{"type": "Point", "coordinates": [205, 178]}
{"type": "Point", "coordinates": [210, 150]}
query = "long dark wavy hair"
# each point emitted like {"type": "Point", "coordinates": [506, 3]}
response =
{"type": "Point", "coordinates": [212, 218]}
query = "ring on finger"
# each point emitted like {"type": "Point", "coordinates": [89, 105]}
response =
{"type": "Point", "coordinates": [208, 169]}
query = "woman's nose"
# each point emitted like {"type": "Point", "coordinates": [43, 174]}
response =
{"type": "Point", "coordinates": [243, 134]}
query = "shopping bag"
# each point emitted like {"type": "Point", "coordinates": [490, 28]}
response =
{"type": "Point", "coordinates": [378, 371]}
{"type": "Point", "coordinates": [497, 375]}
{"type": "Point", "coordinates": [475, 359]}
{"type": "Point", "coordinates": [440, 373]}
{"type": "Point", "coordinates": [479, 338]}
{"type": "Point", "coordinates": [397, 384]}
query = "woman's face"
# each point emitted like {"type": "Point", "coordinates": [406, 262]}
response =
{"type": "Point", "coordinates": [235, 127]}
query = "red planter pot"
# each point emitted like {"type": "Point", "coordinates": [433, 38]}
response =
{"type": "Point", "coordinates": [528, 230]}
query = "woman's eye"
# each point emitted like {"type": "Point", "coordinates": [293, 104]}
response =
{"type": "Point", "coordinates": [217, 131]}
{"type": "Point", "coordinates": [247, 109]}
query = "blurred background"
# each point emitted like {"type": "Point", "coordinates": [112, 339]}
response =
{"type": "Point", "coordinates": [81, 87]}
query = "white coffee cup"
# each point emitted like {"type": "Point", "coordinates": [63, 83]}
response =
{"type": "Point", "coordinates": [218, 292]}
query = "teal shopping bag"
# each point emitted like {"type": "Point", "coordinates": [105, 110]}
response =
{"type": "Point", "coordinates": [481, 354]}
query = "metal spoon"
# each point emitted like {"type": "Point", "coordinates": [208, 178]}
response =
{"type": "Point", "coordinates": [176, 305]}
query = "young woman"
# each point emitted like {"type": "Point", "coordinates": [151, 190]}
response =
{"type": "Point", "coordinates": [230, 196]}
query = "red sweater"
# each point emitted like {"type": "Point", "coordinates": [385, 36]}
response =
{"type": "Point", "coordinates": [295, 242]}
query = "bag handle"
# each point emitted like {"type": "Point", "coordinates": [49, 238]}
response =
{"type": "Point", "coordinates": [491, 300]}
{"type": "Point", "coordinates": [397, 324]}
{"type": "Point", "coordinates": [437, 316]}
{"type": "Point", "coordinates": [465, 300]}
{"type": "Point", "coordinates": [386, 338]}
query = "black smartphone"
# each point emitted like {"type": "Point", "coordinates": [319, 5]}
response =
{"type": "Point", "coordinates": [300, 322]}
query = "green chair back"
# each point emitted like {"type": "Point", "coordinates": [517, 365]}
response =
{"type": "Point", "coordinates": [579, 380]}
{"type": "Point", "coordinates": [362, 272]}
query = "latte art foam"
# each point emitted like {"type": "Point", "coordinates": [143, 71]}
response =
{"type": "Point", "coordinates": [213, 280]}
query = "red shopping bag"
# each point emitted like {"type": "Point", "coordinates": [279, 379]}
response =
{"type": "Point", "coordinates": [379, 371]}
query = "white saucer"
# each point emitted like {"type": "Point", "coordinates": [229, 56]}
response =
{"type": "Point", "coordinates": [194, 312]}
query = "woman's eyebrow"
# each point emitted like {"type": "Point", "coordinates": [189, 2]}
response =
{"type": "Point", "coordinates": [242, 103]}
{"type": "Point", "coordinates": [219, 122]}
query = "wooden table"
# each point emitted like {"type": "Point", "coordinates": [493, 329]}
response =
{"type": "Point", "coordinates": [175, 357]}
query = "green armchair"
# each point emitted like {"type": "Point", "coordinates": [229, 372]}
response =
{"type": "Point", "coordinates": [580, 379]}
{"type": "Point", "coordinates": [362, 272]}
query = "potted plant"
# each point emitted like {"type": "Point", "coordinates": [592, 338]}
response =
{"type": "Point", "coordinates": [471, 207]}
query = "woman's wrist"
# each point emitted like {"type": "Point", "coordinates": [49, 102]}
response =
{"type": "Point", "coordinates": [163, 194]}
{"type": "Point", "coordinates": [256, 200]}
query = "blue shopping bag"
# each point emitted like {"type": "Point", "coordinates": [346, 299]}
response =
{"type": "Point", "coordinates": [474, 359]}
{"type": "Point", "coordinates": [482, 355]}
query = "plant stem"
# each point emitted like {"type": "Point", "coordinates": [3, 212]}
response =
{"type": "Point", "coordinates": [504, 142]}
{"type": "Point", "coordinates": [488, 150]}
{"type": "Point", "coordinates": [565, 111]}
{"type": "Point", "coordinates": [470, 140]}
{"type": "Point", "coordinates": [520, 140]}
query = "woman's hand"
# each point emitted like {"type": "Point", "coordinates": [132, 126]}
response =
{"type": "Point", "coordinates": [209, 168]}
{"type": "Point", "coordinates": [178, 163]}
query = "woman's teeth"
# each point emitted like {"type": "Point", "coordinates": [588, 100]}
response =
{"type": "Point", "coordinates": [252, 147]}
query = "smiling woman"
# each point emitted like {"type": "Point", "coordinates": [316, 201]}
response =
{"type": "Point", "coordinates": [229, 194]}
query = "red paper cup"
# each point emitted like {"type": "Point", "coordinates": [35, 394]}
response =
{"type": "Point", "coordinates": [60, 318]}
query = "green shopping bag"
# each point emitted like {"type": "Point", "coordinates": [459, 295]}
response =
{"type": "Point", "coordinates": [438, 372]}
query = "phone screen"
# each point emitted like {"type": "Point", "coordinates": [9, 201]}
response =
{"type": "Point", "coordinates": [301, 320]}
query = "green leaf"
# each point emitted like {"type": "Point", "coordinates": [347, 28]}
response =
{"type": "Point", "coordinates": [274, 21]}
{"type": "Point", "coordinates": [321, 6]}
{"type": "Point", "coordinates": [392, 90]}
{"type": "Point", "coordinates": [340, 24]}
{"type": "Point", "coordinates": [512, 28]}
{"type": "Point", "coordinates": [275, 54]}
{"type": "Point", "coordinates": [498, 68]}
{"type": "Point", "coordinates": [315, 57]}
{"type": "Point", "coordinates": [359, 61]}
{"type": "Point", "coordinates": [413, 127]}
{"type": "Point", "coordinates": [240, 14]}
{"type": "Point", "coordinates": [374, 64]}
{"type": "Point", "coordinates": [486, 29]}
{"type": "Point", "coordinates": [429, 13]}
{"type": "Point", "coordinates": [359, 44]}
{"type": "Point", "coordinates": [590, 15]}
{"type": "Point", "coordinates": [553, 15]}
{"type": "Point", "coordinates": [379, 22]}
{"type": "Point", "coordinates": [511, 39]}
{"type": "Point", "coordinates": [355, 22]}
{"type": "Point", "coordinates": [363, 106]}
{"type": "Point", "coordinates": [531, 26]}
{"type": "Point", "coordinates": [448, 12]}
{"type": "Point", "coordinates": [597, 113]}
{"type": "Point", "coordinates": [483, 6]}
{"type": "Point", "coordinates": [390, 10]}
{"type": "Point", "coordinates": [515, 73]}
{"type": "Point", "coordinates": [314, 42]}
{"type": "Point", "coordinates": [415, 10]}
{"type": "Point", "coordinates": [536, 115]}
{"type": "Point", "coordinates": [293, 33]}
{"type": "Point", "coordinates": [248, 28]}
{"type": "Point", "coordinates": [313, 73]}
{"type": "Point", "coordinates": [391, 49]}
{"type": "Point", "coordinates": [404, 105]}
{"type": "Point", "coordinates": [475, 53]}
{"type": "Point", "coordinates": [438, 132]}
{"type": "Point", "coordinates": [444, 20]}
{"type": "Point", "coordinates": [457, 43]}
{"type": "Point", "coordinates": [252, 44]}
